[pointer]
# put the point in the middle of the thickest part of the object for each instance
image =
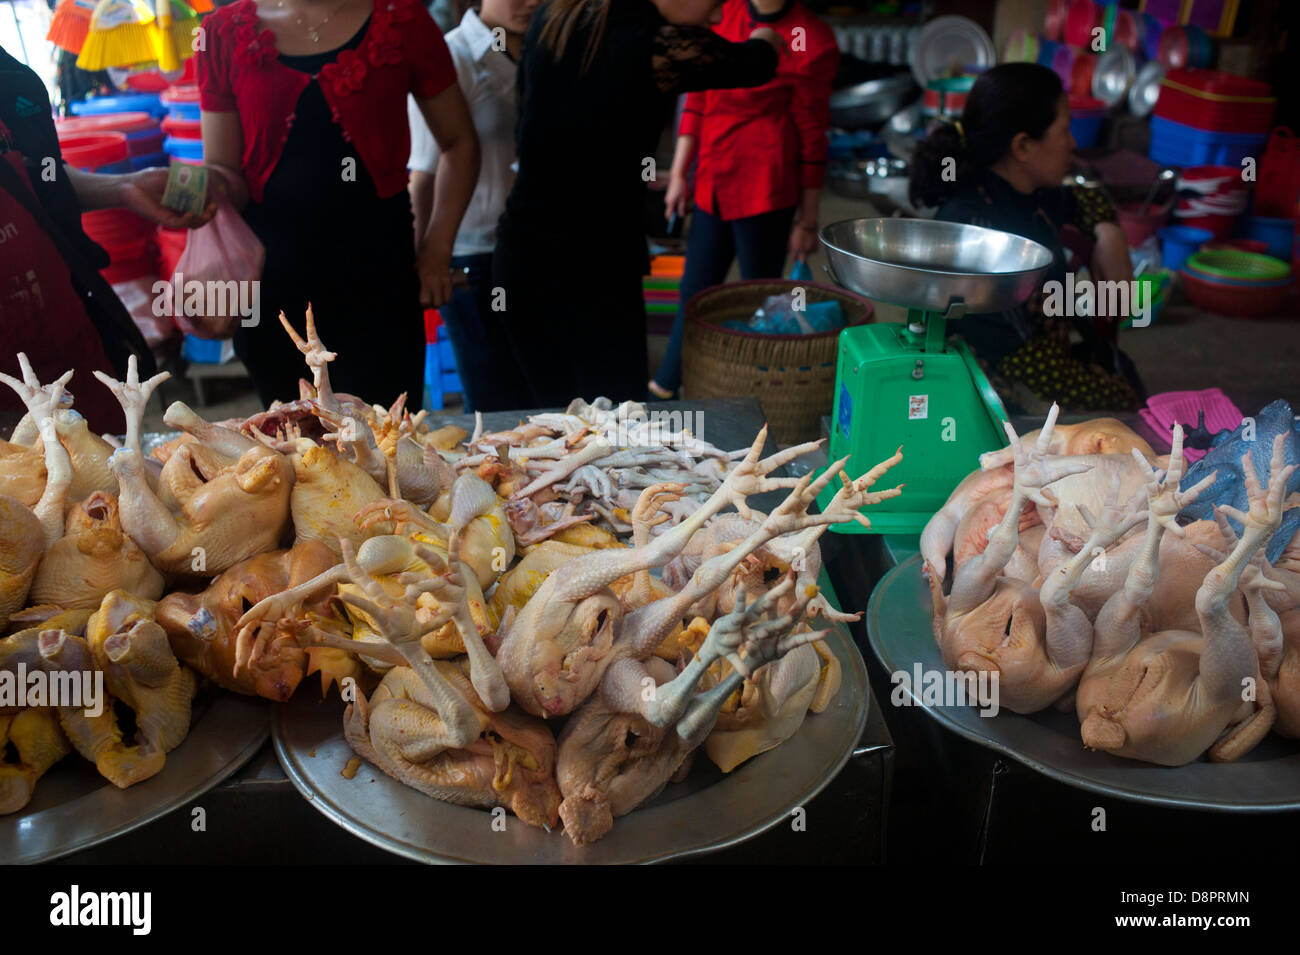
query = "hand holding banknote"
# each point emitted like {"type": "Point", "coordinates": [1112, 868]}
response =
{"type": "Point", "coordinates": [144, 190]}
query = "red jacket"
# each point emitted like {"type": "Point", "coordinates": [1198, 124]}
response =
{"type": "Point", "coordinates": [759, 148]}
{"type": "Point", "coordinates": [402, 52]}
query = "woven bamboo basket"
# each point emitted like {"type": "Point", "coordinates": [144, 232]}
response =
{"type": "Point", "coordinates": [792, 376]}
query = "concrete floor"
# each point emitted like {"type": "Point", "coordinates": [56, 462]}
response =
{"type": "Point", "coordinates": [1254, 361]}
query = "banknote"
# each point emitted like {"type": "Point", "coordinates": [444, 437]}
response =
{"type": "Point", "coordinates": [187, 188]}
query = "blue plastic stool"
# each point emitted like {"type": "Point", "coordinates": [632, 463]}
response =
{"type": "Point", "coordinates": [440, 377]}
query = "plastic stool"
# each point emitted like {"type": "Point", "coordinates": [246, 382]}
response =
{"type": "Point", "coordinates": [440, 377]}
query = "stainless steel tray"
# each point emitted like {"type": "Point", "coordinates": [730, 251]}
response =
{"type": "Point", "coordinates": [1266, 780]}
{"type": "Point", "coordinates": [706, 812]}
{"type": "Point", "coordinates": [75, 808]}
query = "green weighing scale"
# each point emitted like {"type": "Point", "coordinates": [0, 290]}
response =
{"type": "Point", "coordinates": [904, 384]}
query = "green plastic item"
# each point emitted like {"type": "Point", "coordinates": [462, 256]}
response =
{"type": "Point", "coordinates": [952, 84]}
{"type": "Point", "coordinates": [1238, 264]}
{"type": "Point", "coordinates": [904, 385]}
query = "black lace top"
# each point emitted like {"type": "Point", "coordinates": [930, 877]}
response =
{"type": "Point", "coordinates": [586, 138]}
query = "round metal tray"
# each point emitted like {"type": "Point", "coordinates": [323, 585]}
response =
{"type": "Point", "coordinates": [948, 42]}
{"type": "Point", "coordinates": [1267, 779]}
{"type": "Point", "coordinates": [75, 808]}
{"type": "Point", "coordinates": [705, 812]}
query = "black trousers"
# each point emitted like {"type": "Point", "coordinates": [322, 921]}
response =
{"type": "Point", "coordinates": [367, 310]}
{"type": "Point", "coordinates": [759, 242]}
{"type": "Point", "coordinates": [490, 379]}
{"type": "Point", "coordinates": [572, 334]}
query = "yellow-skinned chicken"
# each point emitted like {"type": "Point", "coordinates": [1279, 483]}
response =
{"type": "Point", "coordinates": [93, 558]}
{"type": "Point", "coordinates": [22, 544]}
{"type": "Point", "coordinates": [140, 672]}
{"type": "Point", "coordinates": [39, 743]}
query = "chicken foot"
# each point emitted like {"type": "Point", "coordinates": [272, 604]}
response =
{"type": "Point", "coordinates": [398, 626]}
{"type": "Point", "coordinates": [133, 395]}
{"type": "Point", "coordinates": [1228, 650]}
{"type": "Point", "coordinates": [317, 356]}
{"type": "Point", "coordinates": [1118, 626]}
{"type": "Point", "coordinates": [42, 402]}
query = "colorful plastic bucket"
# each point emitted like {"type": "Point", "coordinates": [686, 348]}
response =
{"type": "Point", "coordinates": [97, 152]}
{"type": "Point", "coordinates": [124, 103]}
{"type": "Point", "coordinates": [1278, 234]}
{"type": "Point", "coordinates": [1178, 243]}
{"type": "Point", "coordinates": [1021, 47]}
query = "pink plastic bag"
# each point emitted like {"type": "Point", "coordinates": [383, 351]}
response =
{"type": "Point", "coordinates": [219, 273]}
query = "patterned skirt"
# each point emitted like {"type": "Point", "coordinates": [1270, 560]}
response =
{"type": "Point", "coordinates": [1047, 366]}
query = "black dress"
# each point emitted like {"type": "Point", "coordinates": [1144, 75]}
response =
{"type": "Point", "coordinates": [570, 246]}
{"type": "Point", "coordinates": [332, 241]}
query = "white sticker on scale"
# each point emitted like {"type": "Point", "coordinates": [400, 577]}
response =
{"type": "Point", "coordinates": [918, 406]}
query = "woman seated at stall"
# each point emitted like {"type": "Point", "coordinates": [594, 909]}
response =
{"type": "Point", "coordinates": [1001, 166]}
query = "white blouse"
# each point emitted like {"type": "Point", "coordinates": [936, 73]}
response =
{"type": "Point", "coordinates": [487, 78]}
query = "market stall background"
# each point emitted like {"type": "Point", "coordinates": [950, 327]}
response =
{"type": "Point", "coordinates": [993, 809]}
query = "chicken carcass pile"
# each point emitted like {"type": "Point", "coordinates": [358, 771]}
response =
{"type": "Point", "coordinates": [551, 619]}
{"type": "Point", "coordinates": [1076, 584]}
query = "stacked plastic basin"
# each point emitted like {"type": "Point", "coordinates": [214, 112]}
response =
{"type": "Point", "coordinates": [1207, 117]}
{"type": "Point", "coordinates": [1086, 116]}
{"type": "Point", "coordinates": [1236, 283]}
{"type": "Point", "coordinates": [122, 103]}
{"type": "Point", "coordinates": [96, 152]}
{"type": "Point", "coordinates": [946, 98]}
{"type": "Point", "coordinates": [1211, 198]}
{"type": "Point", "coordinates": [122, 233]}
{"type": "Point", "coordinates": [184, 136]}
{"type": "Point", "coordinates": [661, 290]}
{"type": "Point", "coordinates": [144, 137]}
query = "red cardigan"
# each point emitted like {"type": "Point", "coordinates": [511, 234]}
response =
{"type": "Point", "coordinates": [402, 52]}
{"type": "Point", "coordinates": [759, 148]}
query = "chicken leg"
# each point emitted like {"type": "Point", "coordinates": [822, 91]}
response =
{"type": "Point", "coordinates": [42, 403]}
{"type": "Point", "coordinates": [556, 650]}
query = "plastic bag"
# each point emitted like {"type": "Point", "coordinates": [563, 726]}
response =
{"type": "Point", "coordinates": [778, 316]}
{"type": "Point", "coordinates": [222, 252]}
{"type": "Point", "coordinates": [137, 297]}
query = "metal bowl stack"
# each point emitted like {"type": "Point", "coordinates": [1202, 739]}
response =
{"type": "Point", "coordinates": [871, 104]}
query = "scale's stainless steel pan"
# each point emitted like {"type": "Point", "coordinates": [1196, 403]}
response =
{"type": "Point", "coordinates": [925, 263]}
{"type": "Point", "coordinates": [1267, 779]}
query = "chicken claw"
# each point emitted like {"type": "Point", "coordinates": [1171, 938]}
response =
{"type": "Point", "coordinates": [42, 402]}
{"type": "Point", "coordinates": [750, 475]}
{"type": "Point", "coordinates": [449, 590]}
{"type": "Point", "coordinates": [397, 624]}
{"type": "Point", "coordinates": [318, 357]}
{"type": "Point", "coordinates": [649, 510]}
{"type": "Point", "coordinates": [133, 395]}
{"type": "Point", "coordinates": [1164, 500]}
{"type": "Point", "coordinates": [399, 513]}
{"type": "Point", "coordinates": [1265, 511]}
{"type": "Point", "coordinates": [1033, 469]}
{"type": "Point", "coordinates": [749, 639]}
